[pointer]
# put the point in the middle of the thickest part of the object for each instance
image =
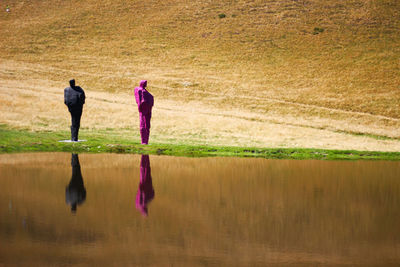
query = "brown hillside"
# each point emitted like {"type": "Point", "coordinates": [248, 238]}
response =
{"type": "Point", "coordinates": [312, 59]}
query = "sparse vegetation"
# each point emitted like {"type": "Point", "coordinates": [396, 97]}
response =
{"type": "Point", "coordinates": [318, 30]}
{"type": "Point", "coordinates": [221, 15]}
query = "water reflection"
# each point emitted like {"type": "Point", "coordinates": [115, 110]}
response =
{"type": "Point", "coordinates": [208, 211]}
{"type": "Point", "coordinates": [75, 193]}
{"type": "Point", "coordinates": [145, 191]}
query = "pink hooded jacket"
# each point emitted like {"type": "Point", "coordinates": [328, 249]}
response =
{"type": "Point", "coordinates": [144, 99]}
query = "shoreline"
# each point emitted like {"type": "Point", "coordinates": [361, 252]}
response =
{"type": "Point", "coordinates": [19, 141]}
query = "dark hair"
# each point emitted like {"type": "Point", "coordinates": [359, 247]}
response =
{"type": "Point", "coordinates": [72, 83]}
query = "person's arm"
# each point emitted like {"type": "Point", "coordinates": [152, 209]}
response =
{"type": "Point", "coordinates": [137, 96]}
{"type": "Point", "coordinates": [83, 97]}
{"type": "Point", "coordinates": [140, 104]}
{"type": "Point", "coordinates": [65, 96]}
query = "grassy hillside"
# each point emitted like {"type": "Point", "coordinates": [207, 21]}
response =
{"type": "Point", "coordinates": [307, 59]}
{"type": "Point", "coordinates": [268, 48]}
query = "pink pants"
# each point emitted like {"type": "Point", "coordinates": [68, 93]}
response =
{"type": "Point", "coordinates": [144, 127]}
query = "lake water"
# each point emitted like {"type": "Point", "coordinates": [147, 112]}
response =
{"type": "Point", "coordinates": [121, 210]}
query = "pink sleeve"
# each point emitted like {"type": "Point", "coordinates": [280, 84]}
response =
{"type": "Point", "coordinates": [137, 95]}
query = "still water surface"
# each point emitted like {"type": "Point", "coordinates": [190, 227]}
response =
{"type": "Point", "coordinates": [108, 209]}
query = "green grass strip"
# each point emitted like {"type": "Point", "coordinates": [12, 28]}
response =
{"type": "Point", "coordinates": [14, 141]}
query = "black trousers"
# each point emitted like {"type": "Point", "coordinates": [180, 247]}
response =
{"type": "Point", "coordinates": [76, 113]}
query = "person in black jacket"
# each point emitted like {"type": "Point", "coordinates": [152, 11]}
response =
{"type": "Point", "coordinates": [74, 98]}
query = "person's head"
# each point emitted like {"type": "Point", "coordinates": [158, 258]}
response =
{"type": "Point", "coordinates": [143, 83]}
{"type": "Point", "coordinates": [72, 83]}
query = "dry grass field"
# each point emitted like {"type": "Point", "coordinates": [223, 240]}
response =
{"type": "Point", "coordinates": [265, 73]}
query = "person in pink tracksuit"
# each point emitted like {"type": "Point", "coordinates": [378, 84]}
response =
{"type": "Point", "coordinates": [145, 191]}
{"type": "Point", "coordinates": [145, 102]}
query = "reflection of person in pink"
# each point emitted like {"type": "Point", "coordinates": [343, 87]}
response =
{"type": "Point", "coordinates": [145, 191]}
{"type": "Point", "coordinates": [145, 102]}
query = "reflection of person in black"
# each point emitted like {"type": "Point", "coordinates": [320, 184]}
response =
{"type": "Point", "coordinates": [74, 98]}
{"type": "Point", "coordinates": [145, 191]}
{"type": "Point", "coordinates": [75, 193]}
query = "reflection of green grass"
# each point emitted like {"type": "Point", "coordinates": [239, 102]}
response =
{"type": "Point", "coordinates": [111, 142]}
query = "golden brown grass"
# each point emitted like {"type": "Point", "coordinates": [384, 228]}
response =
{"type": "Point", "coordinates": [260, 76]}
